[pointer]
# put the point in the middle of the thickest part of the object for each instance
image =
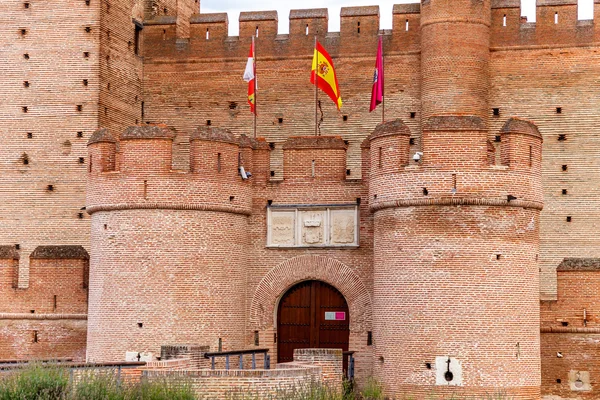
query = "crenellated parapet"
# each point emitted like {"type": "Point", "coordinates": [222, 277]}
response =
{"type": "Point", "coordinates": [556, 24]}
{"type": "Point", "coordinates": [397, 181]}
{"type": "Point", "coordinates": [144, 179]}
{"type": "Point", "coordinates": [359, 28]}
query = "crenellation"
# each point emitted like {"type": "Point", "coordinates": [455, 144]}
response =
{"type": "Point", "coordinates": [521, 145]}
{"type": "Point", "coordinates": [209, 32]}
{"type": "Point", "coordinates": [359, 22]}
{"type": "Point", "coordinates": [308, 22]}
{"type": "Point", "coordinates": [314, 158]}
{"type": "Point", "coordinates": [389, 144]}
{"type": "Point", "coordinates": [102, 152]}
{"type": "Point", "coordinates": [262, 24]}
{"type": "Point", "coordinates": [146, 149]}
{"type": "Point", "coordinates": [406, 28]}
{"type": "Point", "coordinates": [8, 252]}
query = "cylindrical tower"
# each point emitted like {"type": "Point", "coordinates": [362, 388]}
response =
{"type": "Point", "coordinates": [168, 247]}
{"type": "Point", "coordinates": [456, 291]}
{"type": "Point", "coordinates": [455, 52]}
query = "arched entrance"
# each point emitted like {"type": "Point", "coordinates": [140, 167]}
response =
{"type": "Point", "coordinates": [311, 314]}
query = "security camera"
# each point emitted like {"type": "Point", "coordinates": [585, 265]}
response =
{"type": "Point", "coordinates": [417, 156]}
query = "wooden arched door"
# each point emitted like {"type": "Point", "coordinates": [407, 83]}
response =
{"type": "Point", "coordinates": [312, 314]}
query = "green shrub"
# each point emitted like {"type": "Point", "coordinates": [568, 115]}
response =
{"type": "Point", "coordinates": [373, 390]}
{"type": "Point", "coordinates": [93, 386]}
{"type": "Point", "coordinates": [35, 383]}
{"type": "Point", "coordinates": [163, 390]}
{"type": "Point", "coordinates": [50, 383]}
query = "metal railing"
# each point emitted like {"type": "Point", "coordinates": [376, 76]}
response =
{"type": "Point", "coordinates": [241, 354]}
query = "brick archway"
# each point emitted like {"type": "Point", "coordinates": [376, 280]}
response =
{"type": "Point", "coordinates": [277, 281]}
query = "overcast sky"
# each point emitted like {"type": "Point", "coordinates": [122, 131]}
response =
{"type": "Point", "coordinates": [233, 8]}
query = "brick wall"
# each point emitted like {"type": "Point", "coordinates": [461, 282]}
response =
{"type": "Point", "coordinates": [524, 57]}
{"type": "Point", "coordinates": [544, 72]}
{"type": "Point", "coordinates": [310, 367]}
{"type": "Point", "coordinates": [49, 60]}
{"type": "Point", "coordinates": [47, 319]}
{"type": "Point", "coordinates": [571, 330]}
{"type": "Point", "coordinates": [119, 102]}
{"type": "Point", "coordinates": [47, 337]}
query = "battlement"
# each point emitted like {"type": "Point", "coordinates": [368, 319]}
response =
{"type": "Point", "coordinates": [313, 158]}
{"type": "Point", "coordinates": [556, 25]}
{"type": "Point", "coordinates": [58, 279]}
{"type": "Point", "coordinates": [224, 168]}
{"type": "Point", "coordinates": [394, 179]}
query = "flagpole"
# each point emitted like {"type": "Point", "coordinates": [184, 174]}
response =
{"type": "Point", "coordinates": [255, 86]}
{"type": "Point", "coordinates": [316, 89]}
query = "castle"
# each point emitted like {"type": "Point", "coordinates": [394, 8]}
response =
{"type": "Point", "coordinates": [126, 225]}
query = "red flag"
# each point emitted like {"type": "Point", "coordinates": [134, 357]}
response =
{"type": "Point", "coordinates": [377, 92]}
{"type": "Point", "coordinates": [250, 77]}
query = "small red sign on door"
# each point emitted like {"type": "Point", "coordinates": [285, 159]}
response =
{"type": "Point", "coordinates": [335, 316]}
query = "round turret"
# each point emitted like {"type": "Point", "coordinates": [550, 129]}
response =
{"type": "Point", "coordinates": [168, 247]}
{"type": "Point", "coordinates": [456, 237]}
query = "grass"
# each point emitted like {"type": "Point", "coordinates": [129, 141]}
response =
{"type": "Point", "coordinates": [50, 383]}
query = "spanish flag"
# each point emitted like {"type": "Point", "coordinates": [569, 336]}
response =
{"type": "Point", "coordinates": [327, 79]}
